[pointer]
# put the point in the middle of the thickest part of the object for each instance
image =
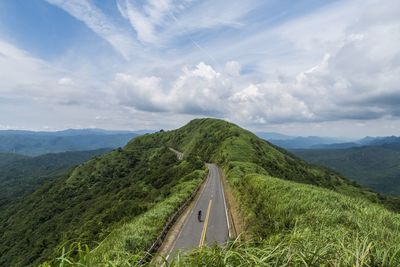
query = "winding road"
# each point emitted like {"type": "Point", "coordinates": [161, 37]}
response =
{"type": "Point", "coordinates": [214, 224]}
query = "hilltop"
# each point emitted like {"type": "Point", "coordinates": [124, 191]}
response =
{"type": "Point", "coordinates": [297, 212]}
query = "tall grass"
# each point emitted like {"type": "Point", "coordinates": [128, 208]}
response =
{"type": "Point", "coordinates": [303, 225]}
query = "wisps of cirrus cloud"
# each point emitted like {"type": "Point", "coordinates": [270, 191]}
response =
{"type": "Point", "coordinates": [340, 63]}
{"type": "Point", "coordinates": [161, 21]}
{"type": "Point", "coordinates": [84, 10]}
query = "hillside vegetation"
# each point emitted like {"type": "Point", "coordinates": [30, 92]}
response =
{"type": "Point", "coordinates": [376, 167]}
{"type": "Point", "coordinates": [21, 175]}
{"type": "Point", "coordinates": [294, 213]}
{"type": "Point", "coordinates": [316, 218]}
{"type": "Point", "coordinates": [6, 158]}
{"type": "Point", "coordinates": [97, 197]}
{"type": "Point", "coordinates": [230, 146]}
{"type": "Point", "coordinates": [303, 225]}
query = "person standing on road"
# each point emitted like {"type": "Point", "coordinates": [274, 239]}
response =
{"type": "Point", "coordinates": [199, 215]}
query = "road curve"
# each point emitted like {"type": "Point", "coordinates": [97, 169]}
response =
{"type": "Point", "coordinates": [213, 227]}
{"type": "Point", "coordinates": [179, 154]}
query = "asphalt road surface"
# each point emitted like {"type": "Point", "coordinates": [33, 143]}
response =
{"type": "Point", "coordinates": [213, 227]}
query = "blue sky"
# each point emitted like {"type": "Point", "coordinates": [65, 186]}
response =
{"type": "Point", "coordinates": [302, 67]}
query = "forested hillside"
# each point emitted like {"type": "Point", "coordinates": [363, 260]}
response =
{"type": "Point", "coordinates": [376, 167]}
{"type": "Point", "coordinates": [21, 175]}
{"type": "Point", "coordinates": [87, 203]}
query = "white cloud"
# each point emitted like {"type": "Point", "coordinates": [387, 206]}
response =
{"type": "Point", "coordinates": [24, 76]}
{"type": "Point", "coordinates": [268, 103]}
{"type": "Point", "coordinates": [144, 93]}
{"type": "Point", "coordinates": [357, 78]}
{"type": "Point", "coordinates": [65, 81]}
{"type": "Point", "coordinates": [196, 91]}
{"type": "Point", "coordinates": [199, 91]}
{"type": "Point", "coordinates": [233, 68]}
{"type": "Point", "coordinates": [204, 91]}
{"type": "Point", "coordinates": [17, 65]}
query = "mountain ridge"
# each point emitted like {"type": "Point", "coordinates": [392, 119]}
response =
{"type": "Point", "coordinates": [123, 191]}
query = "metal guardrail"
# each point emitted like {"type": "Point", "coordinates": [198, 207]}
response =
{"type": "Point", "coordinates": [171, 221]}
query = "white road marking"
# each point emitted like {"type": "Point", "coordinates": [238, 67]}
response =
{"type": "Point", "coordinates": [226, 211]}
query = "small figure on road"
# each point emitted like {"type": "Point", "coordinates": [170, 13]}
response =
{"type": "Point", "coordinates": [199, 215]}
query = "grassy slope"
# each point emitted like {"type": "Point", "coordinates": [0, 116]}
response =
{"type": "Point", "coordinates": [303, 225]}
{"type": "Point", "coordinates": [229, 145]}
{"type": "Point", "coordinates": [326, 219]}
{"type": "Point", "coordinates": [97, 197]}
{"type": "Point", "coordinates": [376, 167]}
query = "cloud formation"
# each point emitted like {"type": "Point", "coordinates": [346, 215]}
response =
{"type": "Point", "coordinates": [356, 79]}
{"type": "Point", "coordinates": [197, 90]}
{"type": "Point", "coordinates": [186, 58]}
{"type": "Point", "coordinates": [157, 22]}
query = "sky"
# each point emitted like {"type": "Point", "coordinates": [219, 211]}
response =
{"type": "Point", "coordinates": [304, 67]}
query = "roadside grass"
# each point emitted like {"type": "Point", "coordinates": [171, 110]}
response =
{"type": "Point", "coordinates": [133, 239]}
{"type": "Point", "coordinates": [303, 225]}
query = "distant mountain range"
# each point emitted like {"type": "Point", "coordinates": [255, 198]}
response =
{"type": "Point", "coordinates": [274, 136]}
{"type": "Point", "coordinates": [367, 141]}
{"type": "Point", "coordinates": [72, 132]}
{"type": "Point", "coordinates": [297, 142]}
{"type": "Point", "coordinates": [37, 143]}
{"type": "Point", "coordinates": [317, 142]}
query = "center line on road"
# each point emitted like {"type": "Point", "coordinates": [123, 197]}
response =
{"type": "Point", "coordinates": [203, 233]}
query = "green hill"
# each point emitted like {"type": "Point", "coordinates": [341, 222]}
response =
{"type": "Point", "coordinates": [86, 203]}
{"type": "Point", "coordinates": [295, 213]}
{"type": "Point", "coordinates": [235, 148]}
{"type": "Point", "coordinates": [317, 218]}
{"type": "Point", "coordinates": [376, 167]}
{"type": "Point", "coordinates": [21, 175]}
